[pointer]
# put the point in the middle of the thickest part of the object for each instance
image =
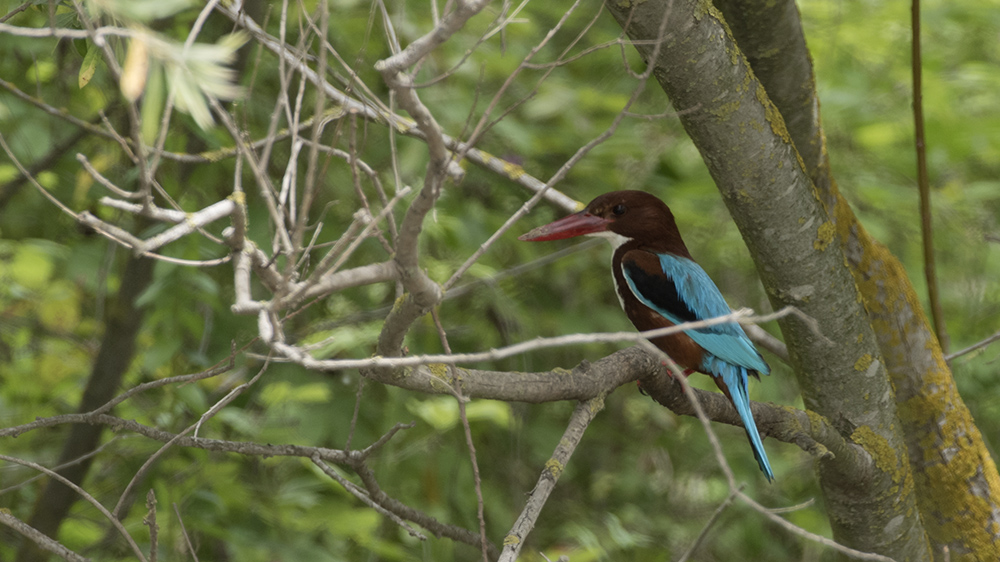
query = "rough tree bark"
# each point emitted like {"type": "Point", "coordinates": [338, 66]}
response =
{"type": "Point", "coordinates": [956, 479]}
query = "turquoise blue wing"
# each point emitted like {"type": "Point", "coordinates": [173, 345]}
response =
{"type": "Point", "coordinates": [683, 292]}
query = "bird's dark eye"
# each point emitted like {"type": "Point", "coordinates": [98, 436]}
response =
{"type": "Point", "coordinates": [618, 210]}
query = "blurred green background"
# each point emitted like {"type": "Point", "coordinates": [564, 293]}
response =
{"type": "Point", "coordinates": [643, 482]}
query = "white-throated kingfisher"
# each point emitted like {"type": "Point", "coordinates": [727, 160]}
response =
{"type": "Point", "coordinates": [659, 285]}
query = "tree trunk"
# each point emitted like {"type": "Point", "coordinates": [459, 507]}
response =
{"type": "Point", "coordinates": [956, 480]}
{"type": "Point", "coordinates": [748, 150]}
{"type": "Point", "coordinates": [112, 361]}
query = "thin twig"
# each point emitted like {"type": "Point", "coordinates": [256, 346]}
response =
{"type": "Point", "coordinates": [150, 521]}
{"type": "Point", "coordinates": [55, 154]}
{"type": "Point", "coordinates": [357, 492]}
{"type": "Point", "coordinates": [31, 178]}
{"type": "Point", "coordinates": [98, 35]}
{"type": "Point", "coordinates": [219, 368]}
{"type": "Point", "coordinates": [357, 410]}
{"type": "Point", "coordinates": [520, 348]}
{"type": "Point", "coordinates": [334, 259]}
{"type": "Point", "coordinates": [187, 538]}
{"type": "Point", "coordinates": [708, 525]}
{"type": "Point", "coordinates": [406, 512]}
{"type": "Point", "coordinates": [795, 529]}
{"type": "Point", "coordinates": [706, 423]}
{"type": "Point", "coordinates": [584, 413]}
{"type": "Point", "coordinates": [923, 182]}
{"type": "Point", "coordinates": [973, 347]}
{"type": "Point", "coordinates": [792, 508]}
{"type": "Point", "coordinates": [41, 539]}
{"type": "Point", "coordinates": [86, 496]}
{"type": "Point", "coordinates": [24, 6]}
{"type": "Point", "coordinates": [765, 340]}
{"type": "Point", "coordinates": [467, 429]}
{"type": "Point", "coordinates": [59, 468]}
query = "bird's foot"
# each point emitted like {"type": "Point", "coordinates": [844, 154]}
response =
{"type": "Point", "coordinates": [642, 391]}
{"type": "Point", "coordinates": [685, 372]}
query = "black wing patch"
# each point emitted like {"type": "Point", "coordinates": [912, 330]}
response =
{"type": "Point", "coordinates": [658, 289]}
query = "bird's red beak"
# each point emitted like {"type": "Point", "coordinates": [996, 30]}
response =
{"type": "Point", "coordinates": [576, 224]}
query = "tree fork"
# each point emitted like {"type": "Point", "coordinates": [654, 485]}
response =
{"type": "Point", "coordinates": [744, 142]}
{"type": "Point", "coordinates": [928, 403]}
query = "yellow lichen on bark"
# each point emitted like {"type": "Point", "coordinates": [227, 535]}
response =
{"type": "Point", "coordinates": [725, 110]}
{"type": "Point", "coordinates": [958, 470]}
{"type": "Point", "coordinates": [885, 459]}
{"type": "Point", "coordinates": [773, 116]}
{"type": "Point", "coordinates": [956, 480]}
{"type": "Point", "coordinates": [824, 235]}
{"type": "Point", "coordinates": [554, 468]}
{"type": "Point", "coordinates": [863, 362]}
{"type": "Point", "coordinates": [437, 374]}
{"type": "Point", "coordinates": [513, 171]}
{"type": "Point", "coordinates": [439, 370]}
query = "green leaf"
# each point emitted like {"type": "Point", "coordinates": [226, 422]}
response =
{"type": "Point", "coordinates": [31, 267]}
{"type": "Point", "coordinates": [283, 392]}
{"type": "Point", "coordinates": [89, 65]}
{"type": "Point", "coordinates": [59, 309]}
{"type": "Point", "coordinates": [441, 412]}
{"type": "Point", "coordinates": [42, 71]}
{"type": "Point", "coordinates": [144, 10]}
{"type": "Point", "coordinates": [152, 103]}
{"type": "Point", "coordinates": [355, 341]}
{"type": "Point", "coordinates": [489, 410]}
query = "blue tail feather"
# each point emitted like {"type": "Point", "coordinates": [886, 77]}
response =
{"type": "Point", "coordinates": [735, 379]}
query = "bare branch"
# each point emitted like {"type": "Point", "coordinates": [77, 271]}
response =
{"type": "Point", "coordinates": [795, 529]}
{"type": "Point", "coordinates": [766, 341]}
{"type": "Point", "coordinates": [520, 348]}
{"type": "Point", "coordinates": [448, 25]}
{"type": "Point", "coordinates": [192, 222]}
{"type": "Point", "coordinates": [340, 280]}
{"type": "Point", "coordinates": [150, 521]}
{"type": "Point", "coordinates": [89, 498]}
{"type": "Point", "coordinates": [98, 34]}
{"type": "Point", "coordinates": [973, 347]}
{"type": "Point", "coordinates": [375, 111]}
{"type": "Point", "coordinates": [241, 447]}
{"type": "Point", "coordinates": [923, 181]}
{"type": "Point", "coordinates": [39, 538]}
{"type": "Point", "coordinates": [187, 538]}
{"type": "Point", "coordinates": [708, 526]}
{"type": "Point", "coordinates": [584, 413]}
{"type": "Point", "coordinates": [365, 499]}
{"type": "Point", "coordinates": [334, 259]}
{"type": "Point", "coordinates": [467, 430]}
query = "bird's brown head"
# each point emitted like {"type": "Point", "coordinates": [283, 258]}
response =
{"type": "Point", "coordinates": [632, 215]}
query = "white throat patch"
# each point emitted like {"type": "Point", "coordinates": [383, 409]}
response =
{"type": "Point", "coordinates": [616, 241]}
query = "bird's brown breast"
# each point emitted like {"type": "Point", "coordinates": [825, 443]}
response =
{"type": "Point", "coordinates": [680, 347]}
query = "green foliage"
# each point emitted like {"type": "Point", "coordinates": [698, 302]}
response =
{"type": "Point", "coordinates": [644, 482]}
